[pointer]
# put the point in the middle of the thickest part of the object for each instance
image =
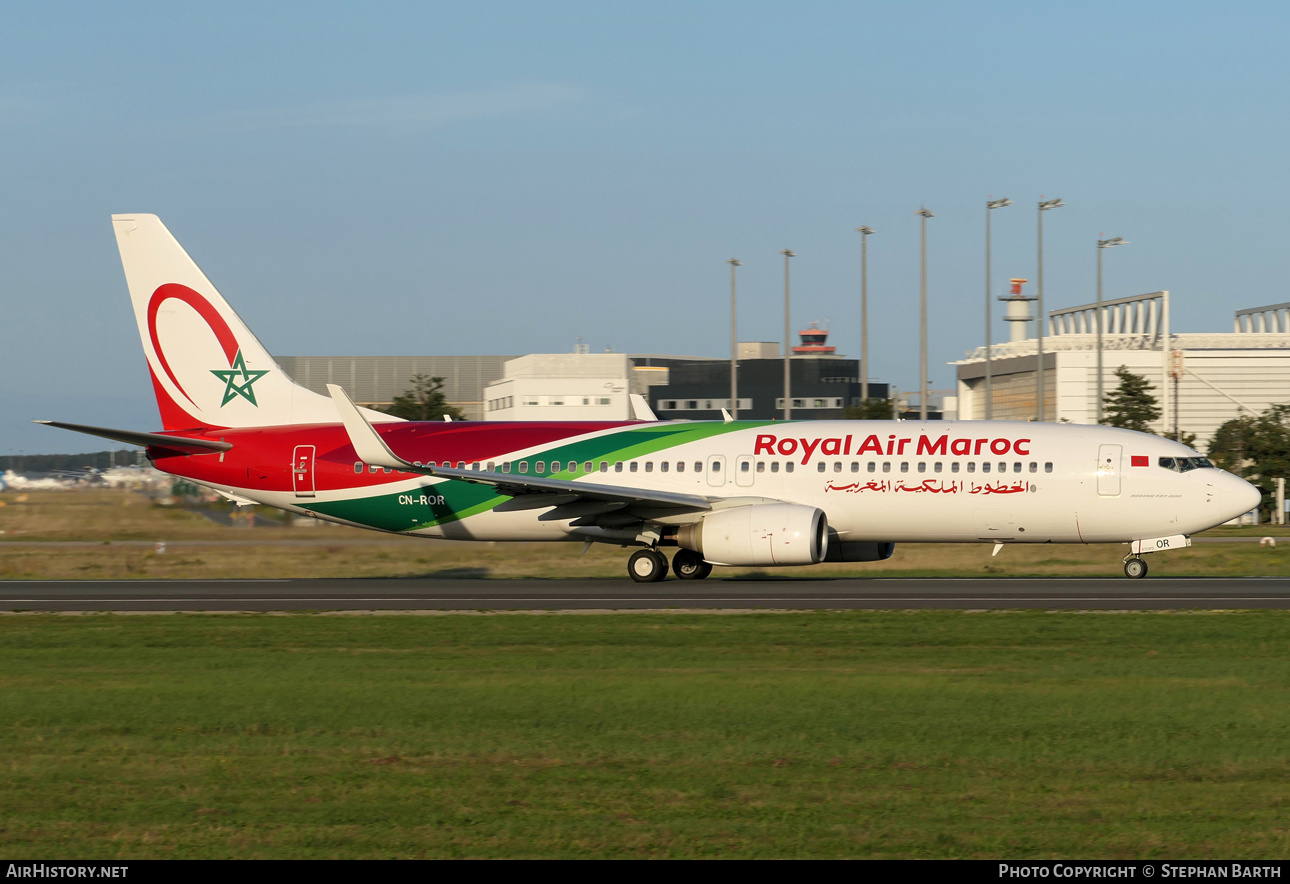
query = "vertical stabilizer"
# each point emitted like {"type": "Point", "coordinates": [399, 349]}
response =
{"type": "Point", "coordinates": [208, 369]}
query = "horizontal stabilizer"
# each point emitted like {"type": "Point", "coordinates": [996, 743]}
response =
{"type": "Point", "coordinates": [150, 440]}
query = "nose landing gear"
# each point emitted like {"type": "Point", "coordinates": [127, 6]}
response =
{"type": "Point", "coordinates": [1135, 568]}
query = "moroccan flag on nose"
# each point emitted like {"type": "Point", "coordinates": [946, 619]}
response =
{"type": "Point", "coordinates": [1140, 461]}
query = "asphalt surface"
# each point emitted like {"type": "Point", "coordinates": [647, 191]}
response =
{"type": "Point", "coordinates": [499, 595]}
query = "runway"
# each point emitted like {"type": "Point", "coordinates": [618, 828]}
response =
{"type": "Point", "coordinates": [571, 595]}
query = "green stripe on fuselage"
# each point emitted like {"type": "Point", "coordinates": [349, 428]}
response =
{"type": "Point", "coordinates": [421, 507]}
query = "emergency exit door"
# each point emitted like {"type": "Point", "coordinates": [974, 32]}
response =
{"type": "Point", "coordinates": [302, 471]}
{"type": "Point", "coordinates": [1108, 470]}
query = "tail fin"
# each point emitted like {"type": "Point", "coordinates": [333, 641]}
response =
{"type": "Point", "coordinates": [208, 370]}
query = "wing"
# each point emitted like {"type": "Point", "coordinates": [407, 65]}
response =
{"type": "Point", "coordinates": [532, 492]}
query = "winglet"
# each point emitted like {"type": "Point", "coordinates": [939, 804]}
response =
{"type": "Point", "coordinates": [368, 445]}
{"type": "Point", "coordinates": [725, 416]}
{"type": "Point", "coordinates": [641, 408]}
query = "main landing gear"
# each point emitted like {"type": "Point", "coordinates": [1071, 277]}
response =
{"type": "Point", "coordinates": [1135, 568]}
{"type": "Point", "coordinates": [650, 565]}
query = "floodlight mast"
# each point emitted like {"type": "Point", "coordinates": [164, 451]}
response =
{"type": "Point", "coordinates": [734, 343]}
{"type": "Point", "coordinates": [989, 373]}
{"type": "Point", "coordinates": [864, 312]}
{"type": "Point", "coordinates": [923, 214]}
{"type": "Point", "coordinates": [788, 350]}
{"type": "Point", "coordinates": [1044, 206]}
{"type": "Point", "coordinates": [1103, 244]}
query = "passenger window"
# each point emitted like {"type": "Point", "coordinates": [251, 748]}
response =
{"type": "Point", "coordinates": [716, 466]}
{"type": "Point", "coordinates": [492, 467]}
{"type": "Point", "coordinates": [1003, 467]}
{"type": "Point", "coordinates": [371, 469]}
{"type": "Point", "coordinates": [698, 466]}
{"type": "Point", "coordinates": [954, 467]}
{"type": "Point", "coordinates": [971, 466]}
{"type": "Point", "coordinates": [539, 467]}
{"type": "Point", "coordinates": [632, 468]}
{"type": "Point", "coordinates": [358, 466]}
{"type": "Point", "coordinates": [788, 466]}
{"type": "Point", "coordinates": [761, 466]}
{"type": "Point", "coordinates": [475, 465]}
{"type": "Point", "coordinates": [461, 465]}
{"type": "Point", "coordinates": [680, 466]}
{"type": "Point", "coordinates": [1034, 467]}
{"type": "Point", "coordinates": [743, 466]}
{"type": "Point", "coordinates": [1048, 467]}
{"type": "Point", "coordinates": [985, 467]}
{"type": "Point", "coordinates": [588, 467]}
{"type": "Point", "coordinates": [886, 466]}
{"type": "Point", "coordinates": [774, 466]}
{"type": "Point", "coordinates": [937, 467]}
{"type": "Point", "coordinates": [904, 466]}
{"type": "Point", "coordinates": [872, 467]}
{"type": "Point", "coordinates": [837, 466]}
{"type": "Point", "coordinates": [1016, 467]}
{"type": "Point", "coordinates": [524, 466]}
{"type": "Point", "coordinates": [922, 467]}
{"type": "Point", "coordinates": [618, 466]}
{"type": "Point", "coordinates": [649, 466]}
{"type": "Point", "coordinates": [506, 467]}
{"type": "Point", "coordinates": [819, 467]}
{"type": "Point", "coordinates": [604, 466]}
{"type": "Point", "coordinates": [855, 466]}
{"type": "Point", "coordinates": [663, 466]}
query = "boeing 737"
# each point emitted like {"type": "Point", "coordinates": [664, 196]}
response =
{"type": "Point", "coordinates": [741, 493]}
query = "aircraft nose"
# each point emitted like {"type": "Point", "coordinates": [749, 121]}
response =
{"type": "Point", "coordinates": [1237, 496]}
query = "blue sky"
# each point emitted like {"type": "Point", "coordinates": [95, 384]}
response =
{"type": "Point", "coordinates": [508, 177]}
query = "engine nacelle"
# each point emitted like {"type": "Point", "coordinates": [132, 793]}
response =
{"type": "Point", "coordinates": [859, 551]}
{"type": "Point", "coordinates": [759, 534]}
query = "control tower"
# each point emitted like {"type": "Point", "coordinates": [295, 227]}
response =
{"type": "Point", "coordinates": [1018, 311]}
{"type": "Point", "coordinates": [813, 339]}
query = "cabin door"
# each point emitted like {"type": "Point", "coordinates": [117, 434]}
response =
{"type": "Point", "coordinates": [1108, 470]}
{"type": "Point", "coordinates": [744, 470]}
{"type": "Point", "coordinates": [302, 471]}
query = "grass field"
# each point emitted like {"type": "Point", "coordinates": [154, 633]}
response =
{"type": "Point", "coordinates": [198, 547]}
{"type": "Point", "coordinates": [934, 734]}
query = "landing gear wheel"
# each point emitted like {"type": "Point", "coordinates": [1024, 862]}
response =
{"type": "Point", "coordinates": [647, 566]}
{"type": "Point", "coordinates": [689, 565]}
{"type": "Point", "coordinates": [1135, 569]}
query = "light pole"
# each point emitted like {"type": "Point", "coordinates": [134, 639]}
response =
{"type": "Point", "coordinates": [734, 344]}
{"type": "Point", "coordinates": [1044, 206]}
{"type": "Point", "coordinates": [1103, 244]}
{"type": "Point", "coordinates": [864, 313]}
{"type": "Point", "coordinates": [989, 368]}
{"type": "Point", "coordinates": [923, 215]}
{"type": "Point", "coordinates": [788, 352]}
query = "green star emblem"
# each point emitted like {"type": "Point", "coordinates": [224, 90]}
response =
{"type": "Point", "coordinates": [233, 389]}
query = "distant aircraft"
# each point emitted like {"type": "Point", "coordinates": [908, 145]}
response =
{"type": "Point", "coordinates": [746, 493]}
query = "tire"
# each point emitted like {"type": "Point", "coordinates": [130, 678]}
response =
{"type": "Point", "coordinates": [1135, 569]}
{"type": "Point", "coordinates": [689, 565]}
{"type": "Point", "coordinates": [647, 566]}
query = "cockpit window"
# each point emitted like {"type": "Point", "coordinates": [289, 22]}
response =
{"type": "Point", "coordinates": [1186, 464]}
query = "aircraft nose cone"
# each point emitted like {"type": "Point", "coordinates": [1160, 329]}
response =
{"type": "Point", "coordinates": [1237, 496]}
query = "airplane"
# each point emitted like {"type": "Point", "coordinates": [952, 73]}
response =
{"type": "Point", "coordinates": [729, 492]}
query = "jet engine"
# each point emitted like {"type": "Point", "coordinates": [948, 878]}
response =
{"type": "Point", "coordinates": [760, 534]}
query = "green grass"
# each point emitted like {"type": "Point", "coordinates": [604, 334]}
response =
{"type": "Point", "coordinates": [750, 735]}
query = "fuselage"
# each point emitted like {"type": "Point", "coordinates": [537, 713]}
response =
{"type": "Point", "coordinates": [935, 481]}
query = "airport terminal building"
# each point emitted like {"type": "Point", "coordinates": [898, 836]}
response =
{"type": "Point", "coordinates": [1201, 380]}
